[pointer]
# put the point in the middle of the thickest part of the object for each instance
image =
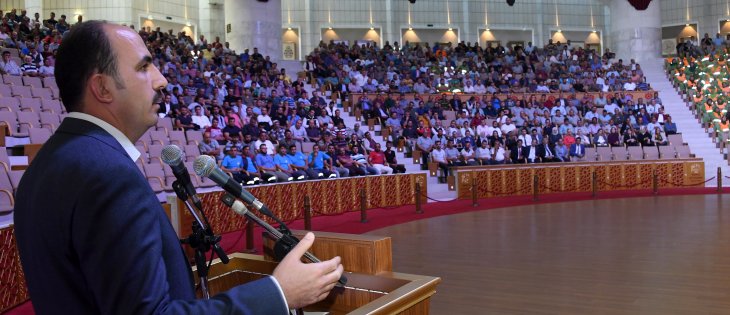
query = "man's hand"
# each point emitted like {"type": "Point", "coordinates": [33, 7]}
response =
{"type": "Point", "coordinates": [305, 284]}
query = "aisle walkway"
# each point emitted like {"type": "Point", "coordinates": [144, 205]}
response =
{"type": "Point", "coordinates": [693, 133]}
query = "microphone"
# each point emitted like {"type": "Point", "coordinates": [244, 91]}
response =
{"type": "Point", "coordinates": [205, 165]}
{"type": "Point", "coordinates": [172, 156]}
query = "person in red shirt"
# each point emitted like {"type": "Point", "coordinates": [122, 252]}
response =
{"type": "Point", "coordinates": [377, 159]}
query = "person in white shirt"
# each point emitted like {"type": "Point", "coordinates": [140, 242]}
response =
{"type": "Point", "coordinates": [629, 86]}
{"type": "Point", "coordinates": [497, 153]}
{"type": "Point", "coordinates": [264, 118]}
{"type": "Point", "coordinates": [46, 70]}
{"type": "Point", "coordinates": [8, 65]}
{"type": "Point", "coordinates": [438, 155]}
{"type": "Point", "coordinates": [483, 153]}
{"type": "Point", "coordinates": [508, 126]}
{"type": "Point", "coordinates": [298, 132]}
{"type": "Point", "coordinates": [264, 139]}
{"type": "Point", "coordinates": [200, 119]}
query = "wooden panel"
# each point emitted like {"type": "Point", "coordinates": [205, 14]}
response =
{"type": "Point", "coordinates": [366, 254]}
{"type": "Point", "coordinates": [13, 290]}
{"type": "Point", "coordinates": [515, 180]}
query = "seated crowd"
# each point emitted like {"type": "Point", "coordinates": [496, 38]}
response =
{"type": "Point", "coordinates": [704, 79]}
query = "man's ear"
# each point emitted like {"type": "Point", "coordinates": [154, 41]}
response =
{"type": "Point", "coordinates": [98, 86]}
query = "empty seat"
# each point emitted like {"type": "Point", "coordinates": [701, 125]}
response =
{"type": "Point", "coordinates": [21, 91]}
{"type": "Point", "coordinates": [144, 140]}
{"type": "Point", "coordinates": [50, 82]}
{"type": "Point", "coordinates": [31, 104]}
{"type": "Point", "coordinates": [675, 139]}
{"type": "Point", "coordinates": [191, 152]}
{"type": "Point", "coordinates": [53, 106]}
{"type": "Point", "coordinates": [194, 136]}
{"type": "Point", "coordinates": [193, 177]}
{"type": "Point", "coordinates": [620, 153]}
{"type": "Point", "coordinates": [13, 79]}
{"type": "Point", "coordinates": [32, 81]}
{"type": "Point", "coordinates": [15, 177]}
{"type": "Point", "coordinates": [7, 200]}
{"type": "Point", "coordinates": [636, 153]}
{"type": "Point", "coordinates": [39, 135]}
{"type": "Point", "coordinates": [50, 121]}
{"type": "Point", "coordinates": [158, 137]}
{"type": "Point", "coordinates": [9, 120]}
{"type": "Point", "coordinates": [8, 103]}
{"type": "Point", "coordinates": [682, 151]}
{"type": "Point", "coordinates": [56, 93]}
{"type": "Point", "coordinates": [667, 152]}
{"type": "Point", "coordinates": [177, 137]}
{"type": "Point", "coordinates": [307, 147]}
{"type": "Point", "coordinates": [4, 159]}
{"type": "Point", "coordinates": [41, 92]}
{"type": "Point", "coordinates": [651, 153]}
{"type": "Point", "coordinates": [605, 154]}
{"type": "Point", "coordinates": [164, 124]}
{"type": "Point", "coordinates": [5, 90]}
{"type": "Point", "coordinates": [155, 153]}
{"type": "Point", "coordinates": [26, 121]}
{"type": "Point", "coordinates": [155, 177]}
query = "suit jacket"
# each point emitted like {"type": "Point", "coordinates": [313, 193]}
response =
{"type": "Point", "coordinates": [542, 152]}
{"type": "Point", "coordinates": [164, 110]}
{"type": "Point", "coordinates": [93, 237]}
{"type": "Point", "coordinates": [573, 149]}
{"type": "Point", "coordinates": [521, 158]}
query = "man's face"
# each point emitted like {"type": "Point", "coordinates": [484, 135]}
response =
{"type": "Point", "coordinates": [6, 57]}
{"type": "Point", "coordinates": [134, 105]}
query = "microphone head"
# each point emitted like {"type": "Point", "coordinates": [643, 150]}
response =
{"type": "Point", "coordinates": [204, 165]}
{"type": "Point", "coordinates": [171, 155]}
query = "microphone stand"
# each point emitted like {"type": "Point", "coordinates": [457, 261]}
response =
{"type": "Point", "coordinates": [201, 239]}
{"type": "Point", "coordinates": [285, 241]}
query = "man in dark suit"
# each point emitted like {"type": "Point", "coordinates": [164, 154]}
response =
{"type": "Point", "coordinates": [547, 154]}
{"type": "Point", "coordinates": [577, 150]}
{"type": "Point", "coordinates": [518, 153]}
{"type": "Point", "coordinates": [92, 236]}
{"type": "Point", "coordinates": [167, 108]}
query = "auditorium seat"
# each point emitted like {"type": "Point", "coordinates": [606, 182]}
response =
{"type": "Point", "coordinates": [5, 90]}
{"type": "Point", "coordinates": [177, 138]}
{"type": "Point", "coordinates": [156, 177]}
{"type": "Point", "coordinates": [13, 79]}
{"type": "Point", "coordinates": [191, 152]}
{"type": "Point", "coordinates": [193, 177]}
{"type": "Point", "coordinates": [50, 82]}
{"type": "Point", "coordinates": [56, 93]}
{"type": "Point", "coordinates": [11, 121]}
{"type": "Point", "coordinates": [4, 159]}
{"type": "Point", "coordinates": [636, 153]}
{"type": "Point", "coordinates": [194, 136]}
{"type": "Point", "coordinates": [21, 91]}
{"type": "Point", "coordinates": [155, 153]}
{"type": "Point", "coordinates": [39, 135]}
{"type": "Point", "coordinates": [620, 153]}
{"type": "Point", "coordinates": [682, 151]}
{"type": "Point", "coordinates": [41, 92]}
{"type": "Point", "coordinates": [169, 176]}
{"type": "Point", "coordinates": [15, 177]}
{"type": "Point", "coordinates": [164, 124]}
{"type": "Point", "coordinates": [7, 200]}
{"type": "Point", "coordinates": [53, 106]}
{"type": "Point", "coordinates": [605, 154]}
{"type": "Point", "coordinates": [50, 121]}
{"type": "Point", "coordinates": [158, 137]}
{"type": "Point", "coordinates": [144, 140]}
{"type": "Point", "coordinates": [667, 152]}
{"type": "Point", "coordinates": [143, 153]}
{"type": "Point", "coordinates": [9, 103]}
{"type": "Point", "coordinates": [32, 81]}
{"type": "Point", "coordinates": [675, 139]}
{"type": "Point", "coordinates": [30, 104]}
{"type": "Point", "coordinates": [307, 147]}
{"type": "Point", "coordinates": [27, 120]}
{"type": "Point", "coordinates": [651, 152]}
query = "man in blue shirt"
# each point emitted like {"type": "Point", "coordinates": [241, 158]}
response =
{"type": "Point", "coordinates": [233, 163]}
{"type": "Point", "coordinates": [283, 165]}
{"type": "Point", "coordinates": [320, 163]}
{"type": "Point", "coordinates": [299, 162]}
{"type": "Point", "coordinates": [268, 168]}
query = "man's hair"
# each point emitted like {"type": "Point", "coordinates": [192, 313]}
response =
{"type": "Point", "coordinates": [84, 51]}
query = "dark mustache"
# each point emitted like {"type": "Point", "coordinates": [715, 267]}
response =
{"type": "Point", "coordinates": [158, 98]}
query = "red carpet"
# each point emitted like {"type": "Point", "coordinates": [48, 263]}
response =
{"type": "Point", "coordinates": [379, 218]}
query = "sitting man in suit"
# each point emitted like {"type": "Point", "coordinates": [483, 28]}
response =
{"type": "Point", "coordinates": [84, 205]}
{"type": "Point", "coordinates": [577, 150]}
{"type": "Point", "coordinates": [547, 154]}
{"type": "Point", "coordinates": [518, 153]}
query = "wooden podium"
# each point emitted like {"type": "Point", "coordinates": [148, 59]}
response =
{"type": "Point", "coordinates": [372, 290]}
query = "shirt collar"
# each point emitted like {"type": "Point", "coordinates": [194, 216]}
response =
{"type": "Point", "coordinates": [126, 144]}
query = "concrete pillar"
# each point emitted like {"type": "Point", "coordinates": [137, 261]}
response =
{"type": "Point", "coordinates": [636, 34]}
{"type": "Point", "coordinates": [33, 6]}
{"type": "Point", "coordinates": [255, 24]}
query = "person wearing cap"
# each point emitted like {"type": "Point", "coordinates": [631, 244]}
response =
{"type": "Point", "coordinates": [8, 65]}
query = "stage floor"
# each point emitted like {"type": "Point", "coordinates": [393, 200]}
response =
{"type": "Point", "coordinates": [648, 255]}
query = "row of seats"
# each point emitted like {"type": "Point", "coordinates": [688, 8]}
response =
{"type": "Point", "coordinates": [28, 92]}
{"type": "Point", "coordinates": [160, 176]}
{"type": "Point", "coordinates": [19, 124]}
{"type": "Point", "coordinates": [18, 104]}
{"type": "Point", "coordinates": [38, 82]}
{"type": "Point", "coordinates": [153, 153]}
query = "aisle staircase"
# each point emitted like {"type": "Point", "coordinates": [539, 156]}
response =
{"type": "Point", "coordinates": [692, 131]}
